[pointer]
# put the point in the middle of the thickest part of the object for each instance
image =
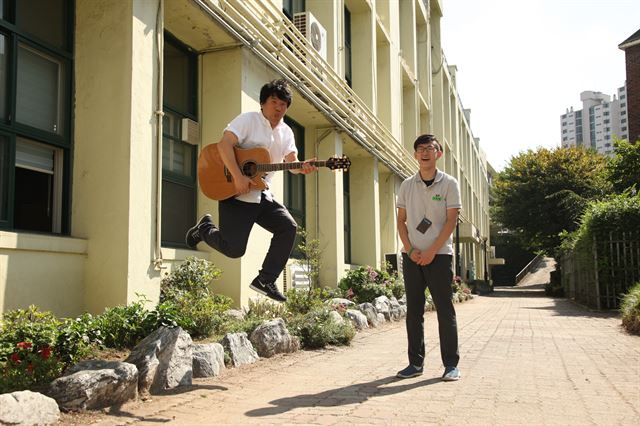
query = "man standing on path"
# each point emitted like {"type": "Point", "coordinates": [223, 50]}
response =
{"type": "Point", "coordinates": [238, 214]}
{"type": "Point", "coordinates": [428, 205]}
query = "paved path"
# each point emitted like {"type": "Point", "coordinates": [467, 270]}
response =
{"type": "Point", "coordinates": [526, 359]}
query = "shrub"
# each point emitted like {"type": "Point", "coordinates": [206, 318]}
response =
{"type": "Point", "coordinates": [185, 299]}
{"type": "Point", "coordinates": [302, 301]}
{"type": "Point", "coordinates": [630, 309]}
{"type": "Point", "coordinates": [199, 315]}
{"type": "Point", "coordinates": [193, 276]}
{"type": "Point", "coordinates": [28, 353]}
{"type": "Point", "coordinates": [366, 283]}
{"type": "Point", "coordinates": [316, 329]}
{"type": "Point", "coordinates": [123, 326]}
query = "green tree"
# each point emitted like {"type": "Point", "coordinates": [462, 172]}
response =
{"type": "Point", "coordinates": [543, 193]}
{"type": "Point", "coordinates": [623, 170]}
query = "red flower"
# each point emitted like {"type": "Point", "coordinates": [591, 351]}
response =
{"type": "Point", "coordinates": [45, 352]}
{"type": "Point", "coordinates": [15, 358]}
{"type": "Point", "coordinates": [24, 345]}
{"type": "Point", "coordinates": [30, 368]}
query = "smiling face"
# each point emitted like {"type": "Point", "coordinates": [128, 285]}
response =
{"type": "Point", "coordinates": [274, 109]}
{"type": "Point", "coordinates": [427, 154]}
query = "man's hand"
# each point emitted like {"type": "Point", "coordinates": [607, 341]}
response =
{"type": "Point", "coordinates": [415, 255]}
{"type": "Point", "coordinates": [307, 167]}
{"type": "Point", "coordinates": [425, 257]}
{"type": "Point", "coordinates": [243, 184]}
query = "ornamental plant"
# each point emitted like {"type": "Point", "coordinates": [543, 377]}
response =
{"type": "Point", "coordinates": [630, 309]}
{"type": "Point", "coordinates": [366, 283]}
{"type": "Point", "coordinates": [28, 352]}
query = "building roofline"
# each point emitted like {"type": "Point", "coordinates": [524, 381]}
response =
{"type": "Point", "coordinates": [631, 41]}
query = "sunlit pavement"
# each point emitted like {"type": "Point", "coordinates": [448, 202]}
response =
{"type": "Point", "coordinates": [525, 359]}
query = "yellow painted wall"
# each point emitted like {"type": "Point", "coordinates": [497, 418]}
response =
{"type": "Point", "coordinates": [113, 175]}
{"type": "Point", "coordinates": [46, 271]}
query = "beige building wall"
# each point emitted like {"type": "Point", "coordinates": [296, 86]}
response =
{"type": "Point", "coordinates": [402, 86]}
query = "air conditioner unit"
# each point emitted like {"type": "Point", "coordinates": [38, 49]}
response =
{"type": "Point", "coordinates": [311, 28]}
{"type": "Point", "coordinates": [190, 131]}
{"type": "Point", "coordinates": [296, 276]}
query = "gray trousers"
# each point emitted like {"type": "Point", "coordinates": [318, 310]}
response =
{"type": "Point", "coordinates": [236, 219]}
{"type": "Point", "coordinates": [438, 277]}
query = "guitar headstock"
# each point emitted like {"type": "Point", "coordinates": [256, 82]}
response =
{"type": "Point", "coordinates": [339, 163]}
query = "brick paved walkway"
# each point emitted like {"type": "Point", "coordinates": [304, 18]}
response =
{"type": "Point", "coordinates": [526, 359]}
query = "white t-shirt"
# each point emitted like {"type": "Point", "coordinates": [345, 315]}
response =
{"type": "Point", "coordinates": [253, 130]}
{"type": "Point", "coordinates": [432, 203]}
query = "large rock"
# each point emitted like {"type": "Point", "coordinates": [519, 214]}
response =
{"type": "Point", "coordinates": [272, 337]}
{"type": "Point", "coordinates": [372, 315]}
{"type": "Point", "coordinates": [239, 349]}
{"type": "Point", "coordinates": [383, 306]}
{"type": "Point", "coordinates": [95, 384]}
{"type": "Point", "coordinates": [164, 360]}
{"type": "Point", "coordinates": [26, 408]}
{"type": "Point", "coordinates": [208, 359]}
{"type": "Point", "coordinates": [395, 309]}
{"type": "Point", "coordinates": [358, 319]}
{"type": "Point", "coordinates": [336, 318]}
{"type": "Point", "coordinates": [340, 302]}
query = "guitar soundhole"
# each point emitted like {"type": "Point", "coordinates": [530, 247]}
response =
{"type": "Point", "coordinates": [249, 169]}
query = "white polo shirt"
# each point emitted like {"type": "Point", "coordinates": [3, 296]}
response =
{"type": "Point", "coordinates": [253, 130]}
{"type": "Point", "coordinates": [431, 202]}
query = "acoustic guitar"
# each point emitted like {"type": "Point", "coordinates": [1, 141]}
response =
{"type": "Point", "coordinates": [216, 181]}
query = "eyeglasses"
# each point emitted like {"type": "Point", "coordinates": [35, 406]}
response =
{"type": "Point", "coordinates": [429, 148]}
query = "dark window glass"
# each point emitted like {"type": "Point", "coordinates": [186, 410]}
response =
{"type": "Point", "coordinates": [35, 194]}
{"type": "Point", "coordinates": [4, 61]}
{"type": "Point", "coordinates": [347, 46]}
{"type": "Point", "coordinates": [4, 178]}
{"type": "Point", "coordinates": [178, 211]}
{"type": "Point", "coordinates": [44, 19]}
{"type": "Point", "coordinates": [294, 187]}
{"type": "Point", "coordinates": [179, 78]}
{"type": "Point", "coordinates": [179, 188]}
{"type": "Point", "coordinates": [346, 201]}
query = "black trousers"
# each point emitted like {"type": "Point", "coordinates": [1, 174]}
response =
{"type": "Point", "coordinates": [438, 277]}
{"type": "Point", "coordinates": [236, 219]}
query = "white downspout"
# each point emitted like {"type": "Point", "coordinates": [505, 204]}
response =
{"type": "Point", "coordinates": [158, 261]}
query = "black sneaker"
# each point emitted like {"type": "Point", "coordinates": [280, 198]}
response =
{"type": "Point", "coordinates": [268, 289]}
{"type": "Point", "coordinates": [409, 371]}
{"type": "Point", "coordinates": [193, 234]}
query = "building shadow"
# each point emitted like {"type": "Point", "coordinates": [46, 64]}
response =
{"type": "Point", "coordinates": [352, 394]}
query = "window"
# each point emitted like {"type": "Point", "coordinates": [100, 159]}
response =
{"type": "Point", "coordinates": [623, 104]}
{"type": "Point", "coordinates": [179, 186]}
{"type": "Point", "coordinates": [36, 59]}
{"type": "Point", "coordinates": [346, 201]}
{"type": "Point", "coordinates": [624, 128]}
{"type": "Point", "coordinates": [294, 187]}
{"type": "Point", "coordinates": [291, 7]}
{"type": "Point", "coordinates": [348, 72]}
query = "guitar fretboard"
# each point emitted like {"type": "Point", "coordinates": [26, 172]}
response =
{"type": "Point", "coordinates": [272, 167]}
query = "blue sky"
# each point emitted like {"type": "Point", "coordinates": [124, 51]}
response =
{"type": "Point", "coordinates": [522, 63]}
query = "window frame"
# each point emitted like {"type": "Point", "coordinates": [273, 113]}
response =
{"type": "Point", "coordinates": [61, 143]}
{"type": "Point", "coordinates": [299, 215]}
{"type": "Point", "coordinates": [169, 176]}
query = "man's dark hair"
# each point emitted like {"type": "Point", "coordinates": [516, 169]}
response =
{"type": "Point", "coordinates": [278, 88]}
{"type": "Point", "coordinates": [424, 139]}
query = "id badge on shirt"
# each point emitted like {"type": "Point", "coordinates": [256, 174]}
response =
{"type": "Point", "coordinates": [423, 225]}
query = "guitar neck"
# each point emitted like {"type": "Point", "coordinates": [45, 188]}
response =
{"type": "Point", "coordinates": [272, 167]}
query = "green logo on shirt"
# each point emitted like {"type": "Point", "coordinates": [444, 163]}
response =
{"type": "Point", "coordinates": [437, 198]}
